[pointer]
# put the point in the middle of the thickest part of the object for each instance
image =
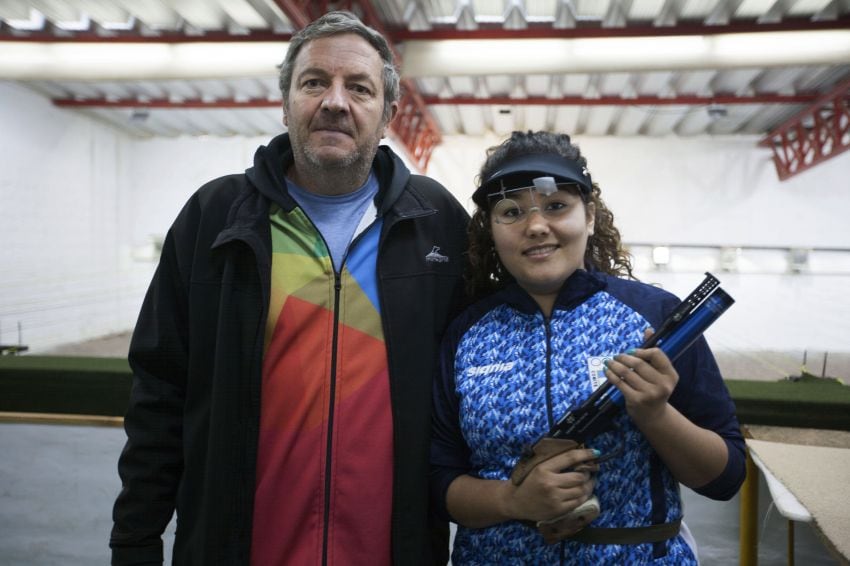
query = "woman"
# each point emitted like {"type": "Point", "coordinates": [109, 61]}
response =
{"type": "Point", "coordinates": [559, 301]}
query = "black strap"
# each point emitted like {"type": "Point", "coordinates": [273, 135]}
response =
{"type": "Point", "coordinates": [659, 503]}
{"type": "Point", "coordinates": [634, 535]}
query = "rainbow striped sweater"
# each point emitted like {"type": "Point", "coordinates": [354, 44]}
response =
{"type": "Point", "coordinates": [326, 437]}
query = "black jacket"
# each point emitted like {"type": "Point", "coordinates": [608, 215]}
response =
{"type": "Point", "coordinates": [196, 355]}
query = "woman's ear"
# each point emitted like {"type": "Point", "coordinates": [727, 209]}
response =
{"type": "Point", "coordinates": [590, 208]}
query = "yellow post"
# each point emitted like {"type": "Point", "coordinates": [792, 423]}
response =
{"type": "Point", "coordinates": [749, 495]}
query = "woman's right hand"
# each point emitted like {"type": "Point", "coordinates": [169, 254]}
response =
{"type": "Point", "coordinates": [554, 487]}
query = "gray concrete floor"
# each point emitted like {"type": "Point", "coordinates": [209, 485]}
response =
{"type": "Point", "coordinates": [58, 483]}
{"type": "Point", "coordinates": [57, 486]}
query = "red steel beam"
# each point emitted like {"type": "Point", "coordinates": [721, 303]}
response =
{"type": "Point", "coordinates": [167, 104]}
{"type": "Point", "coordinates": [418, 140]}
{"type": "Point", "coordinates": [414, 126]}
{"type": "Point", "coordinates": [136, 37]}
{"type": "Point", "coordinates": [682, 99]}
{"type": "Point", "coordinates": [814, 135]}
{"type": "Point", "coordinates": [408, 116]}
{"type": "Point", "coordinates": [296, 12]}
{"type": "Point", "coordinates": [301, 13]}
{"type": "Point", "coordinates": [597, 30]}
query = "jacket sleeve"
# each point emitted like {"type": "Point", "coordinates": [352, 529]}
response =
{"type": "Point", "coordinates": [449, 452]}
{"type": "Point", "coordinates": [703, 398]}
{"type": "Point", "coordinates": [150, 465]}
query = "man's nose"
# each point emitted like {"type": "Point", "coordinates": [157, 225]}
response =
{"type": "Point", "coordinates": [336, 98]}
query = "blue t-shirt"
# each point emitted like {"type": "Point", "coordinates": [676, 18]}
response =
{"type": "Point", "coordinates": [338, 217]}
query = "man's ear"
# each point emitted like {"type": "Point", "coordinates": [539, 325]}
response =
{"type": "Point", "coordinates": [393, 112]}
{"type": "Point", "coordinates": [285, 115]}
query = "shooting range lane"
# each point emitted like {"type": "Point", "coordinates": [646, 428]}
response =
{"type": "Point", "coordinates": [814, 466]}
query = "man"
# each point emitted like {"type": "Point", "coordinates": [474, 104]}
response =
{"type": "Point", "coordinates": [284, 353]}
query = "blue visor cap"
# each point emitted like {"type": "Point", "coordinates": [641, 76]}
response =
{"type": "Point", "coordinates": [521, 170]}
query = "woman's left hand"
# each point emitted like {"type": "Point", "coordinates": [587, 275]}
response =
{"type": "Point", "coordinates": [646, 378]}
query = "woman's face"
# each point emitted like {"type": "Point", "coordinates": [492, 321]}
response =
{"type": "Point", "coordinates": [545, 243]}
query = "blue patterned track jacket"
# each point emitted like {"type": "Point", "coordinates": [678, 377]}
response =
{"type": "Point", "coordinates": [507, 374]}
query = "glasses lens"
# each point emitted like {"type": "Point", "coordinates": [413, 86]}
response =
{"type": "Point", "coordinates": [507, 211]}
{"type": "Point", "coordinates": [526, 199]}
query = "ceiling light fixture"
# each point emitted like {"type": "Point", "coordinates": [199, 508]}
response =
{"type": "Point", "coordinates": [25, 60]}
{"type": "Point", "coordinates": [622, 54]}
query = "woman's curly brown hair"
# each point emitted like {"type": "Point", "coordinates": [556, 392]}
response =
{"type": "Point", "coordinates": [485, 272]}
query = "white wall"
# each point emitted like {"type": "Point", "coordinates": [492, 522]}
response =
{"type": "Point", "coordinates": [163, 173]}
{"type": "Point", "coordinates": [704, 190]}
{"type": "Point", "coordinates": [80, 201]}
{"type": "Point", "coordinates": [722, 191]}
{"type": "Point", "coordinates": [65, 267]}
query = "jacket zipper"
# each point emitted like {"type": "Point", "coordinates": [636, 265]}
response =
{"type": "Point", "coordinates": [549, 410]}
{"type": "Point", "coordinates": [326, 508]}
{"type": "Point", "coordinates": [334, 345]}
{"type": "Point", "coordinates": [331, 403]}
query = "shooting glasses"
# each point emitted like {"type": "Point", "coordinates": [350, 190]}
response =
{"type": "Point", "coordinates": [545, 177]}
{"type": "Point", "coordinates": [545, 196]}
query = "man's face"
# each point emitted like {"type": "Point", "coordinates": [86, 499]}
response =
{"type": "Point", "coordinates": [334, 110]}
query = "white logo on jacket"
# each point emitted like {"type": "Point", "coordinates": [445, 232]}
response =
{"type": "Point", "coordinates": [435, 256]}
{"type": "Point", "coordinates": [490, 368]}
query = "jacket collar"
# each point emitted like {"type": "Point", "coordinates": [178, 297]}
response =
{"type": "Point", "coordinates": [248, 215]}
{"type": "Point", "coordinates": [271, 161]}
{"type": "Point", "coordinates": [578, 287]}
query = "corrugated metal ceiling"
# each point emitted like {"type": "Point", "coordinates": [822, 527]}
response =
{"type": "Point", "coordinates": [626, 102]}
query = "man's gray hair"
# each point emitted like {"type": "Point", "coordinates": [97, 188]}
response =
{"type": "Point", "coordinates": [336, 23]}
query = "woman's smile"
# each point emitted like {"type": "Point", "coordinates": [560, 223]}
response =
{"type": "Point", "coordinates": [541, 251]}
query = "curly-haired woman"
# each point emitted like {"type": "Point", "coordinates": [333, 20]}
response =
{"type": "Point", "coordinates": [559, 312]}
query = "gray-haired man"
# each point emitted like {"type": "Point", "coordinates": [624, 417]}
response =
{"type": "Point", "coordinates": [283, 356]}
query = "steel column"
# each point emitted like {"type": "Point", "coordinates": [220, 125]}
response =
{"type": "Point", "coordinates": [816, 134]}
